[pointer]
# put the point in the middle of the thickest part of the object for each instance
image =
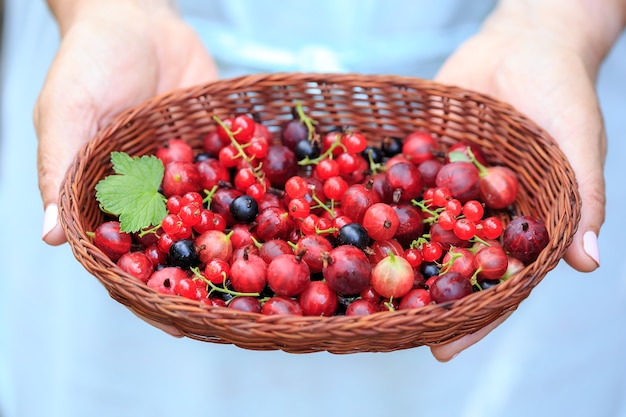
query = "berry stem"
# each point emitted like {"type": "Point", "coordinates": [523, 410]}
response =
{"type": "Point", "coordinates": [389, 304]}
{"type": "Point", "coordinates": [474, 280]}
{"type": "Point", "coordinates": [417, 243]}
{"type": "Point", "coordinates": [256, 243]}
{"type": "Point", "coordinates": [434, 213]}
{"type": "Point", "coordinates": [480, 240]}
{"type": "Point", "coordinates": [306, 120]}
{"type": "Point", "coordinates": [472, 158]}
{"type": "Point", "coordinates": [326, 231]}
{"type": "Point", "coordinates": [257, 171]}
{"type": "Point", "coordinates": [209, 196]}
{"type": "Point", "coordinates": [375, 167]}
{"type": "Point", "coordinates": [147, 230]}
{"type": "Point", "coordinates": [321, 204]}
{"type": "Point", "coordinates": [446, 266]}
{"type": "Point", "coordinates": [223, 288]}
{"type": "Point", "coordinates": [326, 155]}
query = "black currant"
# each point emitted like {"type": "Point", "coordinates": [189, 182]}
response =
{"type": "Point", "coordinates": [244, 209]}
{"type": "Point", "coordinates": [202, 157]}
{"type": "Point", "coordinates": [306, 148]}
{"type": "Point", "coordinates": [183, 254]}
{"type": "Point", "coordinates": [488, 283]}
{"type": "Point", "coordinates": [429, 269]}
{"type": "Point", "coordinates": [353, 234]}
{"type": "Point", "coordinates": [376, 154]}
{"type": "Point", "coordinates": [391, 146]}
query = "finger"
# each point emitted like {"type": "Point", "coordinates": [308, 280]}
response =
{"type": "Point", "coordinates": [581, 136]}
{"type": "Point", "coordinates": [448, 351]}
{"type": "Point", "coordinates": [584, 252]}
{"type": "Point", "coordinates": [171, 330]}
{"type": "Point", "coordinates": [54, 118]}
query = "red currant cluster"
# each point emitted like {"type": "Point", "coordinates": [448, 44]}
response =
{"type": "Point", "coordinates": [326, 223]}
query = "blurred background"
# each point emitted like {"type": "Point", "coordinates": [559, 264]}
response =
{"type": "Point", "coordinates": [67, 349]}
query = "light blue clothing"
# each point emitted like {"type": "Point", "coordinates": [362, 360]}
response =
{"type": "Point", "coordinates": [68, 350]}
{"type": "Point", "coordinates": [368, 36]}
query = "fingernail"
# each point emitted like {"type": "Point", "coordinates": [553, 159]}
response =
{"type": "Point", "coordinates": [50, 219]}
{"type": "Point", "coordinates": [590, 245]}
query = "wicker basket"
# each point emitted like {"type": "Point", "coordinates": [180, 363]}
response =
{"type": "Point", "coordinates": [378, 106]}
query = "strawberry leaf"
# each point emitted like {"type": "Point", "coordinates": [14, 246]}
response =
{"type": "Point", "coordinates": [132, 193]}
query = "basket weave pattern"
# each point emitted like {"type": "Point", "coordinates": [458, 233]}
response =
{"type": "Point", "coordinates": [378, 106]}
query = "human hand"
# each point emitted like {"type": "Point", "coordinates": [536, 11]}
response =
{"type": "Point", "coordinates": [550, 77]}
{"type": "Point", "coordinates": [113, 55]}
{"type": "Point", "coordinates": [551, 84]}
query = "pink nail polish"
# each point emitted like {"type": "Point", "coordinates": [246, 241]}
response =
{"type": "Point", "coordinates": [50, 219]}
{"type": "Point", "coordinates": [590, 245]}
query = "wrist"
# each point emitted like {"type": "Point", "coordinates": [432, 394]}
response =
{"type": "Point", "coordinates": [587, 27]}
{"type": "Point", "coordinates": [67, 12]}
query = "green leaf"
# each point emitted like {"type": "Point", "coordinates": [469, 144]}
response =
{"type": "Point", "coordinates": [132, 193]}
{"type": "Point", "coordinates": [458, 156]}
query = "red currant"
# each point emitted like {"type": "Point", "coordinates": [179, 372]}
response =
{"type": "Point", "coordinates": [258, 190]}
{"type": "Point", "coordinates": [186, 288]}
{"type": "Point", "coordinates": [229, 156]}
{"type": "Point", "coordinates": [348, 163]}
{"type": "Point", "coordinates": [299, 208]}
{"type": "Point", "coordinates": [454, 206]}
{"type": "Point", "coordinates": [174, 203]}
{"type": "Point", "coordinates": [446, 220]}
{"type": "Point", "coordinates": [340, 221]}
{"type": "Point", "coordinates": [432, 251]}
{"type": "Point", "coordinates": [185, 232]}
{"type": "Point", "coordinates": [217, 271]}
{"type": "Point", "coordinates": [335, 187]}
{"type": "Point", "coordinates": [414, 256]}
{"type": "Point", "coordinates": [244, 178]}
{"type": "Point", "coordinates": [296, 187]}
{"type": "Point", "coordinates": [171, 224]}
{"type": "Point", "coordinates": [241, 127]}
{"type": "Point", "coordinates": [324, 226]}
{"type": "Point", "coordinates": [327, 168]}
{"type": "Point", "coordinates": [427, 196]}
{"type": "Point", "coordinates": [165, 242]}
{"type": "Point", "coordinates": [192, 197]}
{"type": "Point", "coordinates": [190, 214]}
{"type": "Point", "coordinates": [354, 142]}
{"type": "Point", "coordinates": [464, 228]}
{"type": "Point", "coordinates": [219, 222]}
{"type": "Point", "coordinates": [206, 221]}
{"type": "Point", "coordinates": [491, 227]}
{"type": "Point", "coordinates": [155, 255]}
{"type": "Point", "coordinates": [329, 141]}
{"type": "Point", "coordinates": [257, 148]}
{"type": "Point", "coordinates": [473, 210]}
{"type": "Point", "coordinates": [441, 196]}
{"type": "Point", "coordinates": [308, 224]}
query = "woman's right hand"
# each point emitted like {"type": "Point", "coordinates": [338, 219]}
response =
{"type": "Point", "coordinates": [113, 55]}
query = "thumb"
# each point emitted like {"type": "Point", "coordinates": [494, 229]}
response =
{"type": "Point", "coordinates": [579, 131]}
{"type": "Point", "coordinates": [448, 351]}
{"type": "Point", "coordinates": [61, 131]}
{"type": "Point", "coordinates": [588, 163]}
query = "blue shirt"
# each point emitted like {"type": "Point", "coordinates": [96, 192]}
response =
{"type": "Point", "coordinates": [368, 36]}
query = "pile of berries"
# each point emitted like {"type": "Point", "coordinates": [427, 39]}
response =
{"type": "Point", "coordinates": [325, 224]}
